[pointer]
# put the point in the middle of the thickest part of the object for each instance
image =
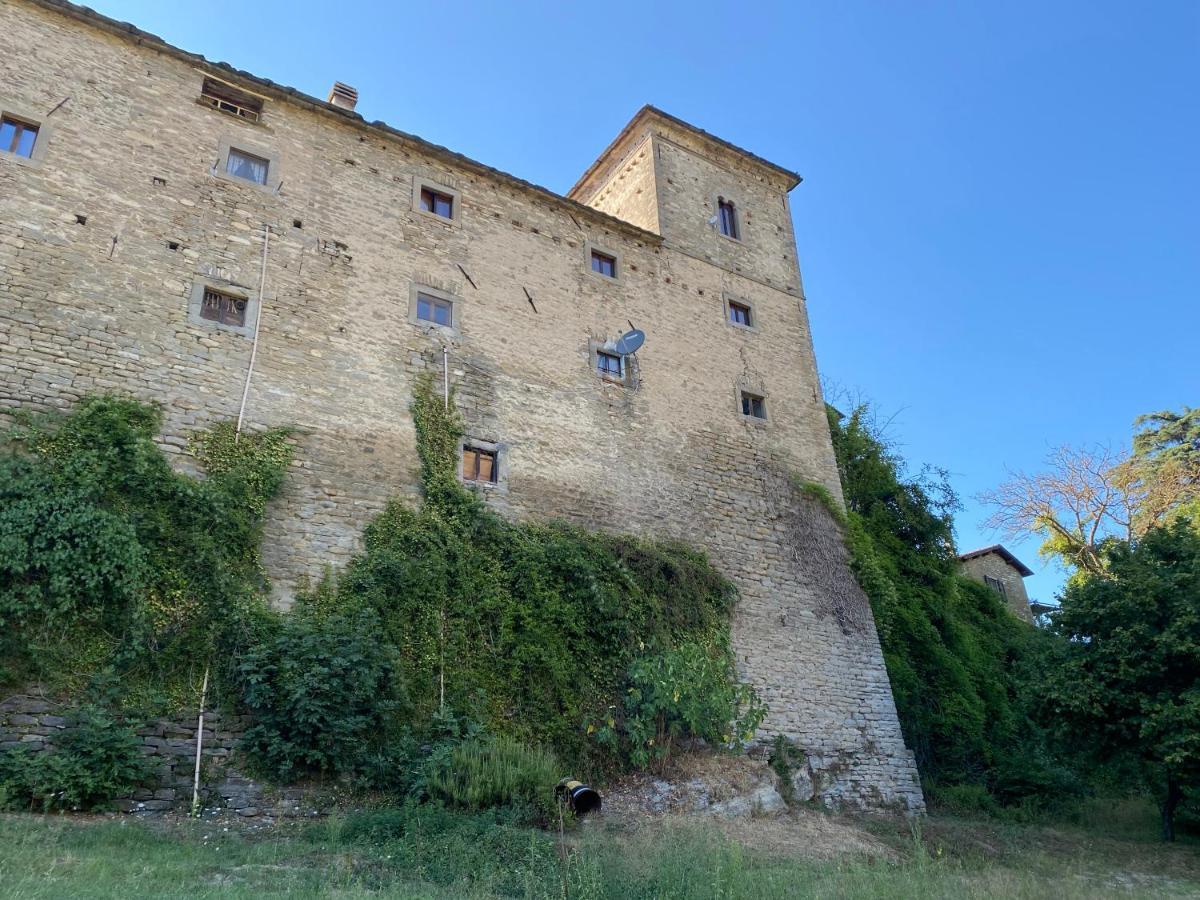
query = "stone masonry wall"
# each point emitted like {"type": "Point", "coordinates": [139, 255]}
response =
{"type": "Point", "coordinates": [33, 721]}
{"type": "Point", "coordinates": [105, 238]}
{"type": "Point", "coordinates": [995, 566]}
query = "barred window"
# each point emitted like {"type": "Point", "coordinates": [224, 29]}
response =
{"type": "Point", "coordinates": [610, 365]}
{"type": "Point", "coordinates": [996, 585]}
{"type": "Point", "coordinates": [223, 308]}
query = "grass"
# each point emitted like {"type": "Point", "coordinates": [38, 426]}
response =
{"type": "Point", "coordinates": [431, 852]}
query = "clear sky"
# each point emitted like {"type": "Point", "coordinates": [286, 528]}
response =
{"type": "Point", "coordinates": [999, 226]}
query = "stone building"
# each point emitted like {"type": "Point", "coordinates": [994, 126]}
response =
{"type": "Point", "coordinates": [168, 225]}
{"type": "Point", "coordinates": [1004, 573]}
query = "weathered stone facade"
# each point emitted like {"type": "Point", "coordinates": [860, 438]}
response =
{"type": "Point", "coordinates": [126, 213]}
{"type": "Point", "coordinates": [1004, 573]}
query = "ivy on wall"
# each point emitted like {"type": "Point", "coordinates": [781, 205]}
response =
{"type": "Point", "coordinates": [116, 569]}
{"type": "Point", "coordinates": [540, 631]}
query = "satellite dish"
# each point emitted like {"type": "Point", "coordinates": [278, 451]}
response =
{"type": "Point", "coordinates": [629, 342]}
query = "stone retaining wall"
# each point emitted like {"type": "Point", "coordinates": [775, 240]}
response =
{"type": "Point", "coordinates": [30, 719]}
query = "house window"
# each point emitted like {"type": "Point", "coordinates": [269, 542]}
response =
{"type": "Point", "coordinates": [241, 164]}
{"type": "Point", "coordinates": [435, 310]}
{"type": "Point", "coordinates": [739, 314]}
{"type": "Point", "coordinates": [437, 203]}
{"type": "Point", "coordinates": [727, 218]}
{"type": "Point", "coordinates": [223, 308]}
{"type": "Point", "coordinates": [229, 99]}
{"type": "Point", "coordinates": [753, 406]}
{"type": "Point", "coordinates": [17, 137]}
{"type": "Point", "coordinates": [610, 365]}
{"type": "Point", "coordinates": [480, 465]}
{"type": "Point", "coordinates": [604, 264]}
{"type": "Point", "coordinates": [996, 585]}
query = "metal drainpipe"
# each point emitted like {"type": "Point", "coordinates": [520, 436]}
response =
{"type": "Point", "coordinates": [262, 283]}
{"type": "Point", "coordinates": [445, 377]}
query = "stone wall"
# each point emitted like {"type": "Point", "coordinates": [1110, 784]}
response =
{"type": "Point", "coordinates": [993, 565]}
{"type": "Point", "coordinates": [32, 720]}
{"type": "Point", "coordinates": [105, 238]}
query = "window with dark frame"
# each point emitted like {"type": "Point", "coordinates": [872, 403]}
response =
{"type": "Point", "coordinates": [223, 308]}
{"type": "Point", "coordinates": [610, 365]}
{"type": "Point", "coordinates": [480, 465]}
{"type": "Point", "coordinates": [753, 406]}
{"type": "Point", "coordinates": [241, 164]}
{"type": "Point", "coordinates": [727, 214]}
{"type": "Point", "coordinates": [435, 310]}
{"type": "Point", "coordinates": [437, 203]}
{"type": "Point", "coordinates": [228, 99]}
{"type": "Point", "coordinates": [739, 314]}
{"type": "Point", "coordinates": [17, 137]}
{"type": "Point", "coordinates": [996, 585]}
{"type": "Point", "coordinates": [604, 264]}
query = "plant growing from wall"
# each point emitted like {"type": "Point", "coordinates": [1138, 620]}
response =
{"type": "Point", "coordinates": [112, 562]}
{"type": "Point", "coordinates": [96, 759]}
{"type": "Point", "coordinates": [538, 630]}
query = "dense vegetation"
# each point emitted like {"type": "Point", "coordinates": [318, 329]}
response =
{"type": "Point", "coordinates": [605, 649]}
{"type": "Point", "coordinates": [455, 635]}
{"type": "Point", "coordinates": [960, 663]}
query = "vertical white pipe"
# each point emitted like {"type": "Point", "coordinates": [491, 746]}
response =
{"type": "Point", "coordinates": [262, 283]}
{"type": "Point", "coordinates": [199, 746]}
{"type": "Point", "coordinates": [445, 377]}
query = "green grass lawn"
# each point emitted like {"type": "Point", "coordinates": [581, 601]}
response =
{"type": "Point", "coordinates": [424, 852]}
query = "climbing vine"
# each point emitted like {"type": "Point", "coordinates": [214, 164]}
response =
{"type": "Point", "coordinates": [115, 568]}
{"type": "Point", "coordinates": [543, 631]}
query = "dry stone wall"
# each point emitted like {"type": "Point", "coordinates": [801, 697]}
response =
{"type": "Point", "coordinates": [31, 720]}
{"type": "Point", "coordinates": [105, 239]}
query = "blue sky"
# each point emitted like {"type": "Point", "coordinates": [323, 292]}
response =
{"type": "Point", "coordinates": [999, 227]}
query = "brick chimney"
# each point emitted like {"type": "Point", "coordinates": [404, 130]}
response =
{"type": "Point", "coordinates": [343, 95]}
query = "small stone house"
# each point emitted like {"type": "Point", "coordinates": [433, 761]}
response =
{"type": "Point", "coordinates": [1002, 572]}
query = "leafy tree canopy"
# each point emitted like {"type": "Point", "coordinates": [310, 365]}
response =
{"type": "Point", "coordinates": [1128, 680]}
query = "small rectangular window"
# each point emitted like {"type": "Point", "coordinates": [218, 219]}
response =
{"type": "Point", "coordinates": [435, 310]}
{"type": "Point", "coordinates": [995, 584]}
{"type": "Point", "coordinates": [437, 203]}
{"type": "Point", "coordinates": [229, 99]}
{"type": "Point", "coordinates": [604, 264]}
{"type": "Point", "coordinates": [739, 314]}
{"type": "Point", "coordinates": [17, 137]}
{"type": "Point", "coordinates": [479, 465]}
{"type": "Point", "coordinates": [223, 308]}
{"type": "Point", "coordinates": [753, 406]}
{"type": "Point", "coordinates": [241, 164]}
{"type": "Point", "coordinates": [610, 365]}
{"type": "Point", "coordinates": [727, 215]}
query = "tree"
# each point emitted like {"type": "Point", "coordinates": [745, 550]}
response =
{"type": "Point", "coordinates": [1166, 458]}
{"type": "Point", "coordinates": [1084, 497]}
{"type": "Point", "coordinates": [1087, 496]}
{"type": "Point", "coordinates": [1129, 678]}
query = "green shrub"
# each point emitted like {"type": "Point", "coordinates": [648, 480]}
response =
{"type": "Point", "coordinates": [324, 694]}
{"type": "Point", "coordinates": [96, 759]}
{"type": "Point", "coordinates": [105, 548]}
{"type": "Point", "coordinates": [690, 691]}
{"type": "Point", "coordinates": [486, 773]}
